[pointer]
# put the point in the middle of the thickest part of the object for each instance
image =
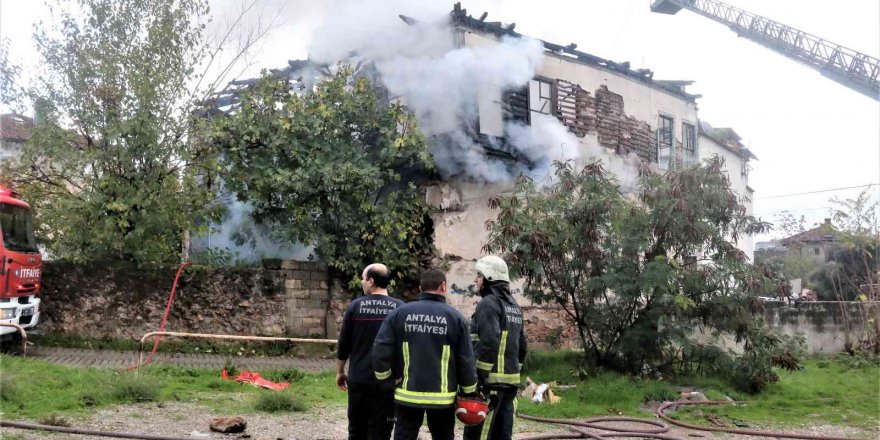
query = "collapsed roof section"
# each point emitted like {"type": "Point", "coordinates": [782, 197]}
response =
{"type": "Point", "coordinates": [459, 17]}
{"type": "Point", "coordinates": [727, 138]}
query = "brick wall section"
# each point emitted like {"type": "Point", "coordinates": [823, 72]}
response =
{"type": "Point", "coordinates": [306, 287]}
{"type": "Point", "coordinates": [603, 114]}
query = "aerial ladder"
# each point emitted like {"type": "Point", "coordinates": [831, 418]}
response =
{"type": "Point", "coordinates": [858, 71]}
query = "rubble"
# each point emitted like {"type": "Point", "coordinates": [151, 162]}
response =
{"type": "Point", "coordinates": [228, 424]}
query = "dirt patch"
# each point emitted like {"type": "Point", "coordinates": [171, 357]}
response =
{"type": "Point", "coordinates": [327, 423]}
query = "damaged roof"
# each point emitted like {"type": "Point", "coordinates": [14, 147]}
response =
{"type": "Point", "coordinates": [727, 138]}
{"type": "Point", "coordinates": [459, 17]}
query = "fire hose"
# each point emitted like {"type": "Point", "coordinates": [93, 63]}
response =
{"type": "Point", "coordinates": [579, 427]}
{"type": "Point", "coordinates": [80, 431]}
{"type": "Point", "coordinates": [164, 318]}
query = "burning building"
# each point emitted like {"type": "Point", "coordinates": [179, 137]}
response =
{"type": "Point", "coordinates": [495, 105]}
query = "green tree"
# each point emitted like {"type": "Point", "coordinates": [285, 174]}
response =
{"type": "Point", "coordinates": [9, 72]}
{"type": "Point", "coordinates": [114, 170]}
{"type": "Point", "coordinates": [333, 167]}
{"type": "Point", "coordinates": [639, 277]}
{"type": "Point", "coordinates": [852, 265]}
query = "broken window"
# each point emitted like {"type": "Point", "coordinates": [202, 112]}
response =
{"type": "Point", "coordinates": [538, 96]}
{"type": "Point", "coordinates": [664, 142]}
{"type": "Point", "coordinates": [516, 105]}
{"type": "Point", "coordinates": [689, 142]}
{"type": "Point", "coordinates": [542, 96]}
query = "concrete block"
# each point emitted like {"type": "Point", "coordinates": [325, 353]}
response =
{"type": "Point", "coordinates": [319, 293]}
{"type": "Point", "coordinates": [292, 284]}
{"type": "Point", "coordinates": [301, 294]}
{"type": "Point", "coordinates": [318, 275]}
{"type": "Point", "coordinates": [300, 274]}
{"type": "Point", "coordinates": [290, 264]}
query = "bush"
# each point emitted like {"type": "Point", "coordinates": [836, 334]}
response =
{"type": "Point", "coordinates": [136, 389]}
{"type": "Point", "coordinates": [278, 401]}
{"type": "Point", "coordinates": [859, 360]}
{"type": "Point", "coordinates": [285, 375]}
{"type": "Point", "coordinates": [8, 388]}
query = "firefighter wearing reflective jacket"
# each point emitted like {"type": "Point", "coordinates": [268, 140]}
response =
{"type": "Point", "coordinates": [500, 349]}
{"type": "Point", "coordinates": [423, 347]}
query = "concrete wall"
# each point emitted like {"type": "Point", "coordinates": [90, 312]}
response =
{"type": "Point", "coordinates": [733, 166]}
{"type": "Point", "coordinates": [825, 324]}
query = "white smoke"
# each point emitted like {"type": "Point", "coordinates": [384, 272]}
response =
{"type": "Point", "coordinates": [546, 140]}
{"type": "Point", "coordinates": [440, 83]}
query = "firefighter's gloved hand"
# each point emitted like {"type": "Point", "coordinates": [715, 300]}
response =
{"type": "Point", "coordinates": [389, 384]}
{"type": "Point", "coordinates": [482, 376]}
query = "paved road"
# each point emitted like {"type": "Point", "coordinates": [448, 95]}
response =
{"type": "Point", "coordinates": [113, 359]}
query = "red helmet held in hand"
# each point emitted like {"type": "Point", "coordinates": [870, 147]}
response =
{"type": "Point", "coordinates": [471, 411]}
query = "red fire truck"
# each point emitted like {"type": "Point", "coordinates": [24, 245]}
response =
{"type": "Point", "coordinates": [20, 264]}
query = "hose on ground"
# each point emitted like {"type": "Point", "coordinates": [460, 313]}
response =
{"type": "Point", "coordinates": [674, 405]}
{"type": "Point", "coordinates": [80, 431]}
{"type": "Point", "coordinates": [579, 427]}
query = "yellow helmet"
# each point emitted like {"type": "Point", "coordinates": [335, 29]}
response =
{"type": "Point", "coordinates": [493, 268]}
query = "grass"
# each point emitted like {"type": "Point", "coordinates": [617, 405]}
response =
{"type": "Point", "coordinates": [826, 391]}
{"type": "Point", "coordinates": [34, 389]}
{"type": "Point", "coordinates": [837, 391]}
{"type": "Point", "coordinates": [278, 402]}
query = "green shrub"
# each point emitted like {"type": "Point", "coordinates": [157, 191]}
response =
{"type": "Point", "coordinates": [285, 375]}
{"type": "Point", "coordinates": [8, 388]}
{"type": "Point", "coordinates": [278, 401]}
{"type": "Point", "coordinates": [136, 389]}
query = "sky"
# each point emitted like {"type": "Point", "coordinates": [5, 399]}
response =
{"type": "Point", "coordinates": [809, 133]}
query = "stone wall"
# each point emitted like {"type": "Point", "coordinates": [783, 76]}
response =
{"type": "Point", "coordinates": [118, 301]}
{"type": "Point", "coordinates": [286, 298]}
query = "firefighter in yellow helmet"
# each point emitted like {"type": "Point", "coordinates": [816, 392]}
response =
{"type": "Point", "coordinates": [499, 342]}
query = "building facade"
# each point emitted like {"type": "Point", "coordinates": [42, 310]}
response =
{"type": "Point", "coordinates": [620, 116]}
{"type": "Point", "coordinates": [726, 144]}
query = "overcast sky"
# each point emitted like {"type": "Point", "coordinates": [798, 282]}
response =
{"type": "Point", "coordinates": [809, 133]}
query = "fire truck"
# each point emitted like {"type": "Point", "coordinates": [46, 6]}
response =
{"type": "Point", "coordinates": [20, 266]}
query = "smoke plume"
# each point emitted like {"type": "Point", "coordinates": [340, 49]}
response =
{"type": "Point", "coordinates": [440, 82]}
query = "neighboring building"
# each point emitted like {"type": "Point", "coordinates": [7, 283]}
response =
{"type": "Point", "coordinates": [15, 130]}
{"type": "Point", "coordinates": [813, 244]}
{"type": "Point", "coordinates": [725, 143]}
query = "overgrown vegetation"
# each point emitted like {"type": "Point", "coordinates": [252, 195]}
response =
{"type": "Point", "coordinates": [278, 402]}
{"type": "Point", "coordinates": [334, 167]}
{"type": "Point", "coordinates": [645, 280]}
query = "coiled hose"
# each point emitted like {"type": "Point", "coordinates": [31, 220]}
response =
{"type": "Point", "coordinates": [579, 428]}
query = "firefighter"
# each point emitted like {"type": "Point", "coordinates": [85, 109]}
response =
{"type": "Point", "coordinates": [423, 351]}
{"type": "Point", "coordinates": [370, 407]}
{"type": "Point", "coordinates": [499, 347]}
